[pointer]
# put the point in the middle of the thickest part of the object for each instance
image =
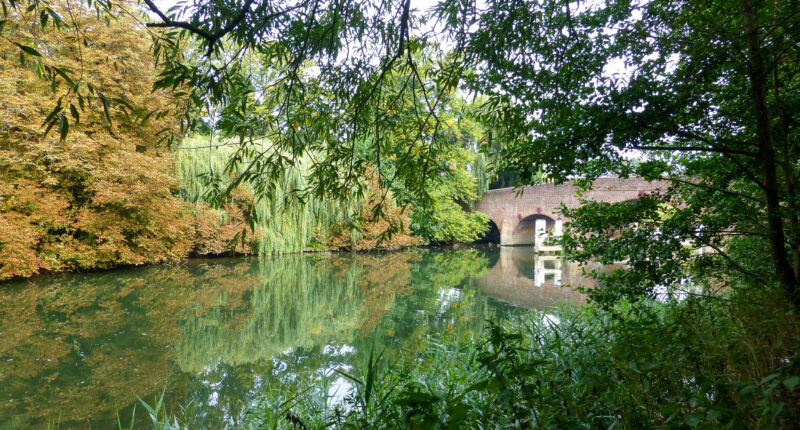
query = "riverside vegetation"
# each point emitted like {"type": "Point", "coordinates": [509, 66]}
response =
{"type": "Point", "coordinates": [703, 96]}
{"type": "Point", "coordinates": [105, 194]}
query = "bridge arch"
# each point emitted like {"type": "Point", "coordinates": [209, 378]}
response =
{"type": "Point", "coordinates": [533, 229]}
{"type": "Point", "coordinates": [519, 212]}
{"type": "Point", "coordinates": [492, 235]}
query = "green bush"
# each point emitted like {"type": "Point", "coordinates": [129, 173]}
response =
{"type": "Point", "coordinates": [705, 362]}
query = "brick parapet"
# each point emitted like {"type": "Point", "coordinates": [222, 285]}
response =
{"type": "Point", "coordinates": [507, 207]}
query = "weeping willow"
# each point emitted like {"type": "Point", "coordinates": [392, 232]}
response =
{"type": "Point", "coordinates": [481, 172]}
{"type": "Point", "coordinates": [284, 224]}
{"type": "Point", "coordinates": [299, 302]}
{"type": "Point", "coordinates": [302, 302]}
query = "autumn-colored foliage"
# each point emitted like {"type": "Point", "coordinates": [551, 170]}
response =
{"type": "Point", "coordinates": [105, 195]}
{"type": "Point", "coordinates": [371, 231]}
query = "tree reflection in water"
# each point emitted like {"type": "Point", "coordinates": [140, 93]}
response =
{"type": "Point", "coordinates": [216, 332]}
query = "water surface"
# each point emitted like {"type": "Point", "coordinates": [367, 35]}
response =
{"type": "Point", "coordinates": [78, 348]}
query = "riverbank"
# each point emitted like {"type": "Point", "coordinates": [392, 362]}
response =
{"type": "Point", "coordinates": [220, 256]}
{"type": "Point", "coordinates": [707, 362]}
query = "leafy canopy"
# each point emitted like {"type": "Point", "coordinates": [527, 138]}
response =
{"type": "Point", "coordinates": [707, 99]}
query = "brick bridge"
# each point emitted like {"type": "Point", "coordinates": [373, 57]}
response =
{"type": "Point", "coordinates": [523, 219]}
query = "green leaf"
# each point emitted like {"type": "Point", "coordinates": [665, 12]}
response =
{"type": "Point", "coordinates": [75, 114]}
{"type": "Point", "coordinates": [106, 111]}
{"type": "Point", "coordinates": [531, 368]}
{"type": "Point", "coordinates": [479, 386]}
{"type": "Point", "coordinates": [63, 73]}
{"type": "Point", "coordinates": [28, 50]}
{"type": "Point", "coordinates": [52, 115]}
{"type": "Point", "coordinates": [692, 419]}
{"type": "Point", "coordinates": [747, 390]}
{"type": "Point", "coordinates": [769, 378]}
{"type": "Point", "coordinates": [50, 125]}
{"type": "Point", "coordinates": [64, 127]}
{"type": "Point", "coordinates": [791, 382]}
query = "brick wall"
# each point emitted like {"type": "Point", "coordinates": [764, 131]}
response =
{"type": "Point", "coordinates": [508, 207]}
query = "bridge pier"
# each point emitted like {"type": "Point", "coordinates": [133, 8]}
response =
{"type": "Point", "coordinates": [527, 215]}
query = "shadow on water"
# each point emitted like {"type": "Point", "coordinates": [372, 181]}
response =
{"type": "Point", "coordinates": [216, 332]}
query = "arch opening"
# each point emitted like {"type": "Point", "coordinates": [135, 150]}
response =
{"type": "Point", "coordinates": [533, 228]}
{"type": "Point", "coordinates": [492, 235]}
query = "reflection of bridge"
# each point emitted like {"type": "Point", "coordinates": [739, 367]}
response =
{"type": "Point", "coordinates": [524, 278]}
{"type": "Point", "coordinates": [524, 219]}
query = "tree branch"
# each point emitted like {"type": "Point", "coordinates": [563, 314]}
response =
{"type": "Point", "coordinates": [168, 22]}
{"type": "Point", "coordinates": [695, 149]}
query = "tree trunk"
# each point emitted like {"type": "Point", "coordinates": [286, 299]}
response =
{"type": "Point", "coordinates": [757, 77]}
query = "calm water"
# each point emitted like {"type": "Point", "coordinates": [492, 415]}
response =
{"type": "Point", "coordinates": [79, 348]}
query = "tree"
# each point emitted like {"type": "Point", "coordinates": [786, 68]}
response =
{"type": "Point", "coordinates": [321, 97]}
{"type": "Point", "coordinates": [708, 98]}
{"type": "Point", "coordinates": [99, 193]}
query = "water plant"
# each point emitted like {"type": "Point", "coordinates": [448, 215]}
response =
{"type": "Point", "coordinates": [675, 365]}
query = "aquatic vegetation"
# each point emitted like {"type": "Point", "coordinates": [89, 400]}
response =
{"type": "Point", "coordinates": [675, 365]}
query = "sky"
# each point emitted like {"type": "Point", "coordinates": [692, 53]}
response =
{"type": "Point", "coordinates": [615, 67]}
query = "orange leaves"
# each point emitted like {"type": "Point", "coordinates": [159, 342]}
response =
{"type": "Point", "coordinates": [212, 231]}
{"type": "Point", "coordinates": [93, 200]}
{"type": "Point", "coordinates": [372, 229]}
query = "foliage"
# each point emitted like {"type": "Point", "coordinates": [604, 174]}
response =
{"type": "Point", "coordinates": [280, 218]}
{"type": "Point", "coordinates": [448, 217]}
{"type": "Point", "coordinates": [703, 94]}
{"type": "Point", "coordinates": [711, 109]}
{"type": "Point", "coordinates": [672, 365]}
{"type": "Point", "coordinates": [707, 100]}
{"type": "Point", "coordinates": [456, 172]}
{"type": "Point", "coordinates": [103, 195]}
{"type": "Point", "coordinates": [277, 222]}
{"type": "Point", "coordinates": [371, 226]}
{"type": "Point", "coordinates": [301, 76]}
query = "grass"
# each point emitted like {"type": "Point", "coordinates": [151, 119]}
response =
{"type": "Point", "coordinates": [703, 362]}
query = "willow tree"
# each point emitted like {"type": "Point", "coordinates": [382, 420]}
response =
{"type": "Point", "coordinates": [706, 95]}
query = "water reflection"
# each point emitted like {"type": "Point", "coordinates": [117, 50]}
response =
{"type": "Point", "coordinates": [524, 278]}
{"type": "Point", "coordinates": [216, 332]}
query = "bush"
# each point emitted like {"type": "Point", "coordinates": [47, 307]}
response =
{"type": "Point", "coordinates": [702, 362]}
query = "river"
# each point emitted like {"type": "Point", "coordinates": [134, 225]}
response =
{"type": "Point", "coordinates": [213, 333]}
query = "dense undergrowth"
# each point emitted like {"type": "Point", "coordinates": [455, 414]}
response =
{"type": "Point", "coordinates": [703, 362]}
{"type": "Point", "coordinates": [699, 362]}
